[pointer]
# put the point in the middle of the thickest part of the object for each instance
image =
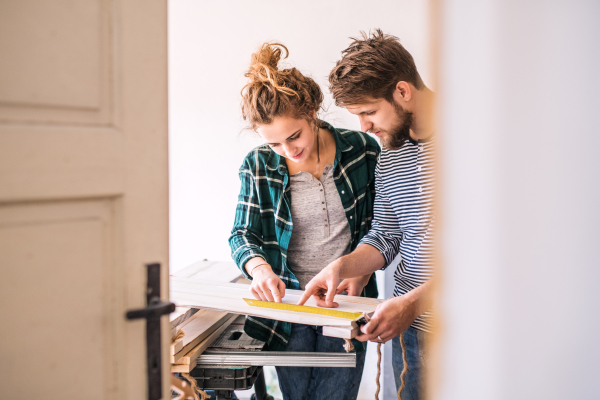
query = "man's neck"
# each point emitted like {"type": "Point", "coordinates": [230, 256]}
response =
{"type": "Point", "coordinates": [424, 112]}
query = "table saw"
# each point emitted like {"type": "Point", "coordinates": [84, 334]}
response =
{"type": "Point", "coordinates": [235, 360]}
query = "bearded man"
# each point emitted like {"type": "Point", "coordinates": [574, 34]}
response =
{"type": "Point", "coordinates": [377, 80]}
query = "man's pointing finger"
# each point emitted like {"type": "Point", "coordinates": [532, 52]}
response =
{"type": "Point", "coordinates": [305, 297]}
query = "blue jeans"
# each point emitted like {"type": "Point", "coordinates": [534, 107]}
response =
{"type": "Point", "coordinates": [414, 341]}
{"type": "Point", "coordinates": [316, 383]}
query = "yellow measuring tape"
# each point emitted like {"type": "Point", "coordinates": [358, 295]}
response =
{"type": "Point", "coordinates": [307, 309]}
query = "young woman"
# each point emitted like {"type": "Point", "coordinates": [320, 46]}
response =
{"type": "Point", "coordinates": [306, 199]}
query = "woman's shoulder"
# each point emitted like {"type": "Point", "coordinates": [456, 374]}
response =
{"type": "Point", "coordinates": [257, 157]}
{"type": "Point", "coordinates": [258, 154]}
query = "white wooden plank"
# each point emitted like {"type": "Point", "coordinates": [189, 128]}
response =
{"type": "Point", "coordinates": [229, 297]}
{"type": "Point", "coordinates": [204, 270]}
{"type": "Point", "coordinates": [347, 303]}
{"type": "Point", "coordinates": [336, 331]}
{"type": "Point", "coordinates": [244, 288]}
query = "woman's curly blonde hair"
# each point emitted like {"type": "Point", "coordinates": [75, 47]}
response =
{"type": "Point", "coordinates": [271, 92]}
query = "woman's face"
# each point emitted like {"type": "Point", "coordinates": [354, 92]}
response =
{"type": "Point", "coordinates": [289, 137]}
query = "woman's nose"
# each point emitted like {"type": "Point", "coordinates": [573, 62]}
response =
{"type": "Point", "coordinates": [288, 150]}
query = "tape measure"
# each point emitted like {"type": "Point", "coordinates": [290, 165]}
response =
{"type": "Point", "coordinates": [307, 309]}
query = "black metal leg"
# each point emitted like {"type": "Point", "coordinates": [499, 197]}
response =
{"type": "Point", "coordinates": [260, 386]}
{"type": "Point", "coordinates": [224, 394]}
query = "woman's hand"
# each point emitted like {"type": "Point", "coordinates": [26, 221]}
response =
{"type": "Point", "coordinates": [353, 286]}
{"type": "Point", "coordinates": [266, 285]}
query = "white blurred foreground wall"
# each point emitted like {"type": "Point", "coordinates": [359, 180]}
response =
{"type": "Point", "coordinates": [519, 85]}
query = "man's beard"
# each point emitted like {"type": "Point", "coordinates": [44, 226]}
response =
{"type": "Point", "coordinates": [397, 135]}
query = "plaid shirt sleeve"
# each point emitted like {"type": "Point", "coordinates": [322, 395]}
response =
{"type": "Point", "coordinates": [246, 237]}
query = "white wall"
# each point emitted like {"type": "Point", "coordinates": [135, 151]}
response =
{"type": "Point", "coordinates": [520, 170]}
{"type": "Point", "coordinates": [210, 44]}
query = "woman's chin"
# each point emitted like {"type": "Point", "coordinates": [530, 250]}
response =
{"type": "Point", "coordinates": [300, 158]}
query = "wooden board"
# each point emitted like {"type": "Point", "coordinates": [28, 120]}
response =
{"type": "Point", "coordinates": [181, 321]}
{"type": "Point", "coordinates": [222, 271]}
{"type": "Point", "coordinates": [340, 332]}
{"type": "Point", "coordinates": [197, 328]}
{"type": "Point", "coordinates": [176, 347]}
{"type": "Point", "coordinates": [188, 362]}
{"type": "Point", "coordinates": [179, 316]}
{"type": "Point", "coordinates": [229, 297]}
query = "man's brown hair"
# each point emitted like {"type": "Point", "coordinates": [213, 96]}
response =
{"type": "Point", "coordinates": [370, 68]}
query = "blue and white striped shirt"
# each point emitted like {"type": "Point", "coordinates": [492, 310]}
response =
{"type": "Point", "coordinates": [403, 215]}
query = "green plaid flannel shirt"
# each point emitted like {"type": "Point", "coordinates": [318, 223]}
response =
{"type": "Point", "coordinates": [263, 222]}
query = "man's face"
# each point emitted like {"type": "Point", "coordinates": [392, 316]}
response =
{"type": "Point", "coordinates": [388, 121]}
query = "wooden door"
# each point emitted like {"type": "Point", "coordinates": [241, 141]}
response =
{"type": "Point", "coordinates": [83, 194]}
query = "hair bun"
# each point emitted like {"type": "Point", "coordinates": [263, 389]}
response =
{"type": "Point", "coordinates": [264, 67]}
{"type": "Point", "coordinates": [271, 92]}
{"type": "Point", "coordinates": [268, 56]}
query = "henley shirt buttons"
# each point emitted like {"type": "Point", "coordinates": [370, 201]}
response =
{"type": "Point", "coordinates": [351, 217]}
{"type": "Point", "coordinates": [420, 189]}
{"type": "Point", "coordinates": [342, 192]}
{"type": "Point", "coordinates": [419, 169]}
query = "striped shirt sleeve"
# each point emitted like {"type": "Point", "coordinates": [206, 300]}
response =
{"type": "Point", "coordinates": [385, 234]}
{"type": "Point", "coordinates": [246, 235]}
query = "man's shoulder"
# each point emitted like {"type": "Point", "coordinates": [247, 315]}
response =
{"type": "Point", "coordinates": [395, 160]}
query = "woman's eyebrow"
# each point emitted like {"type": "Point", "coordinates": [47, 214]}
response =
{"type": "Point", "coordinates": [293, 134]}
{"type": "Point", "coordinates": [288, 138]}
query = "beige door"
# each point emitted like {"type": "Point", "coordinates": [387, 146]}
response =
{"type": "Point", "coordinates": [83, 194]}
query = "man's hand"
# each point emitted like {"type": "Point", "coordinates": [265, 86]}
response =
{"type": "Point", "coordinates": [266, 285]}
{"type": "Point", "coordinates": [391, 318]}
{"type": "Point", "coordinates": [323, 286]}
{"type": "Point", "coordinates": [364, 260]}
{"type": "Point", "coordinates": [353, 286]}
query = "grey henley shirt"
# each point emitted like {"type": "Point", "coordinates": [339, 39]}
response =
{"type": "Point", "coordinates": [320, 231]}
